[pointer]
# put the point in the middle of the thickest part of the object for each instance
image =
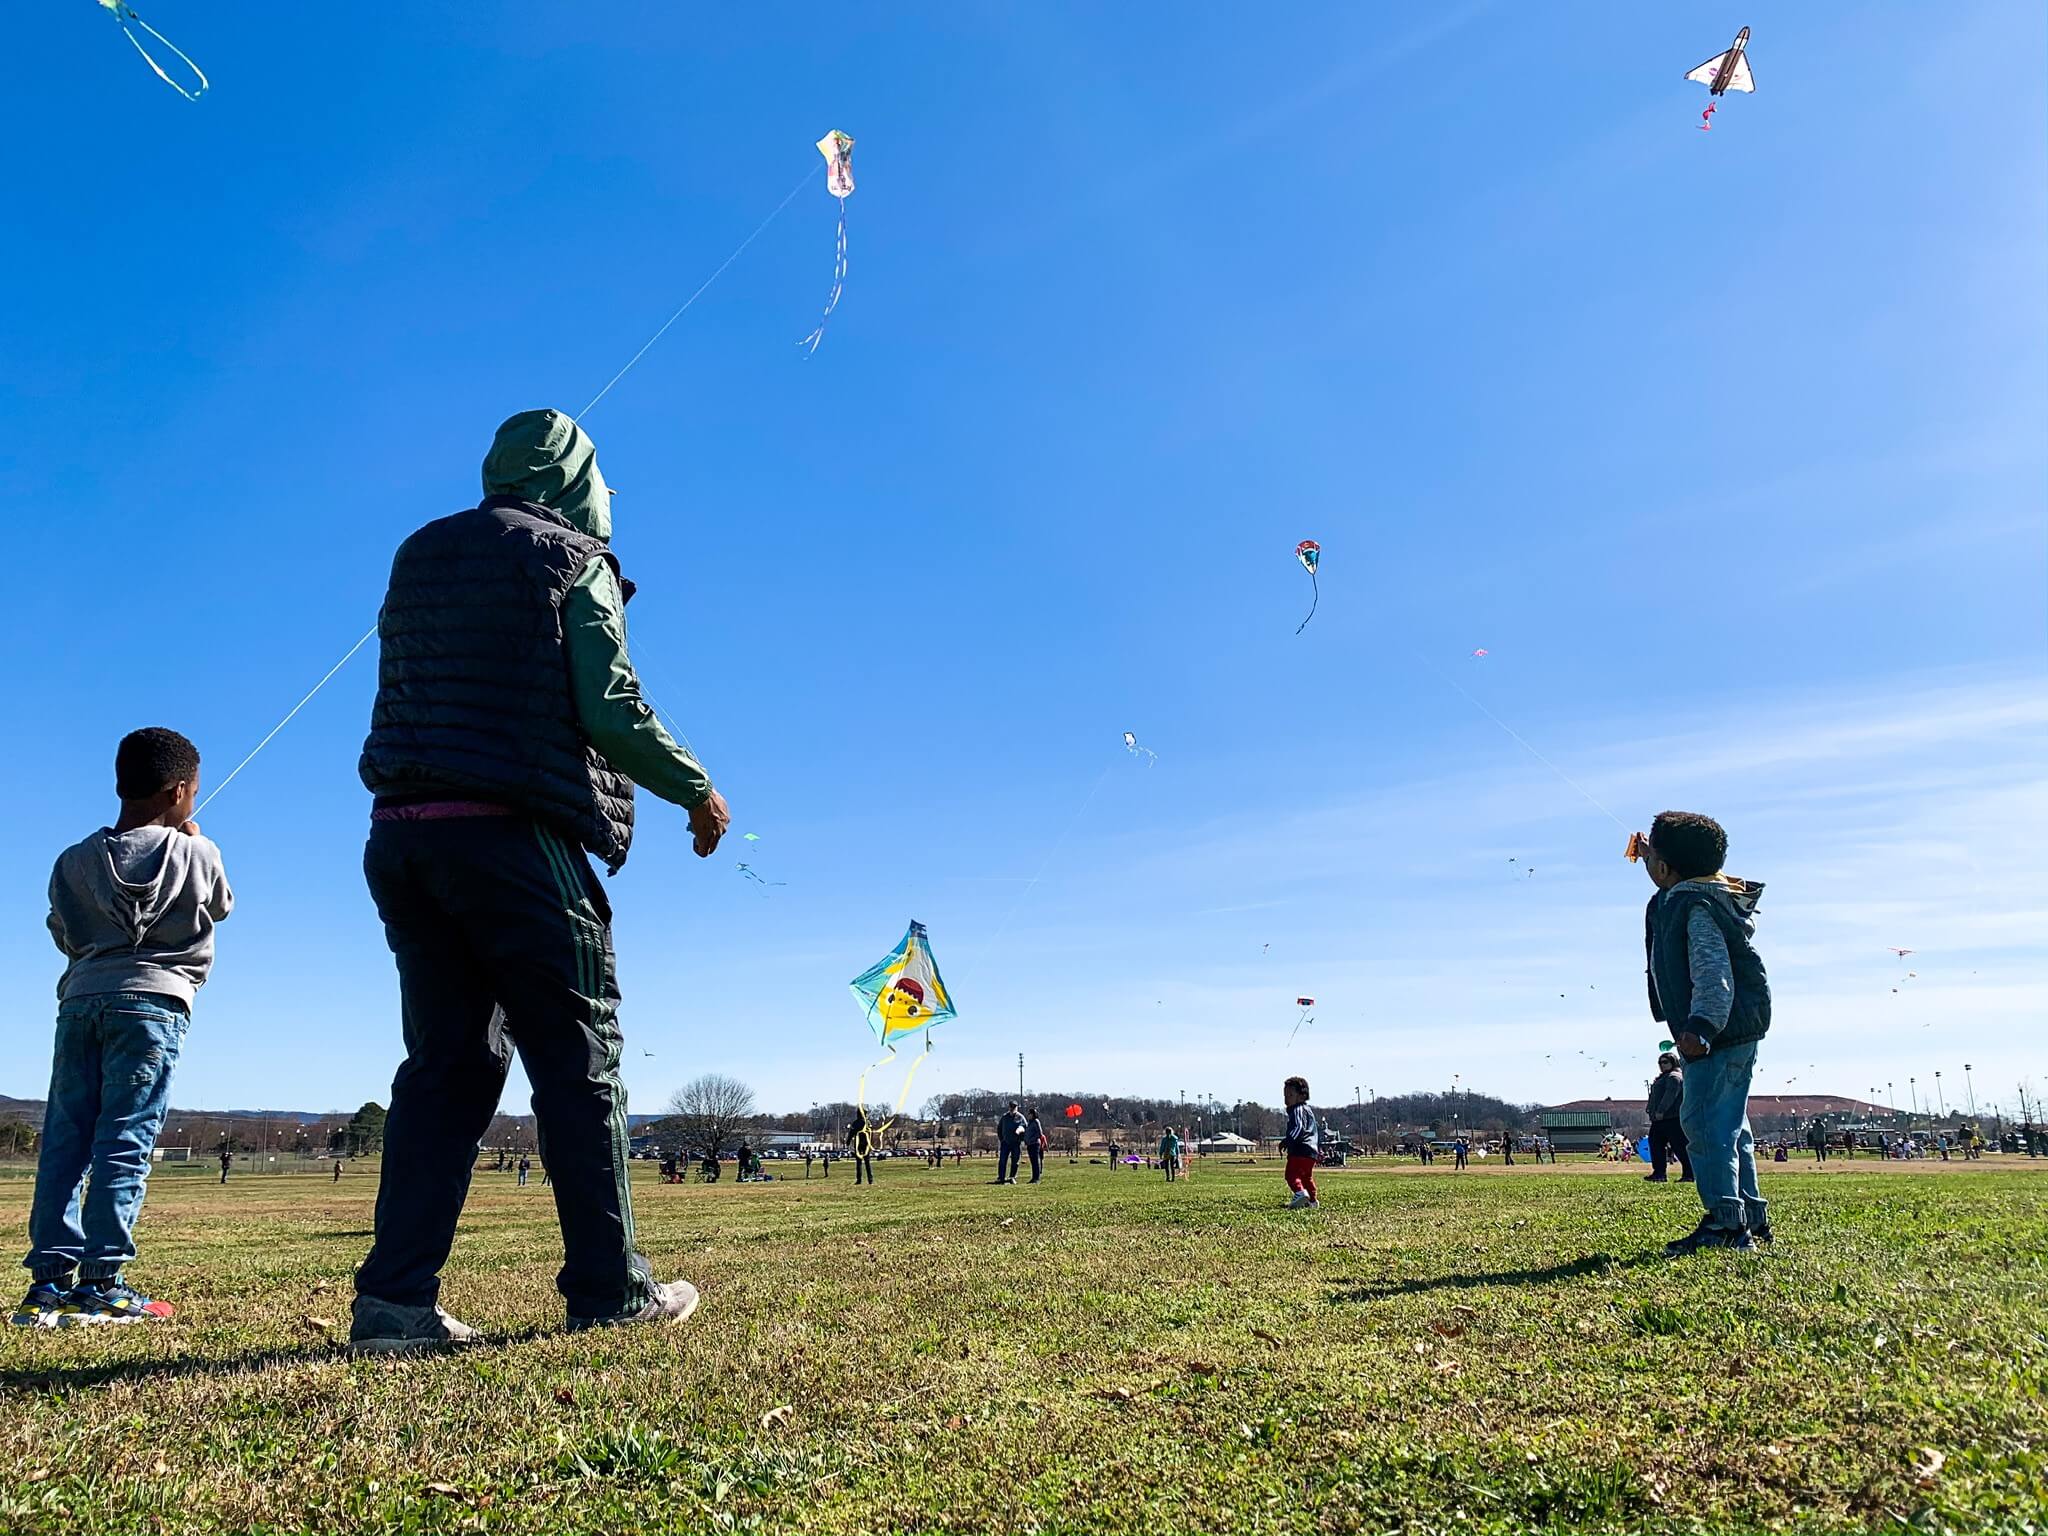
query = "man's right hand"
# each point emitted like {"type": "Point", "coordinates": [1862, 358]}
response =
{"type": "Point", "coordinates": [710, 820]}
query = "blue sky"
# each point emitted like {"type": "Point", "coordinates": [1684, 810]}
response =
{"type": "Point", "coordinates": [1726, 446]}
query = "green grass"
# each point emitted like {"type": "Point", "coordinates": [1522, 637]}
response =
{"type": "Point", "coordinates": [1430, 1352]}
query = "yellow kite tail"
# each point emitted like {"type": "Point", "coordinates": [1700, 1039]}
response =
{"type": "Point", "coordinates": [916, 1062]}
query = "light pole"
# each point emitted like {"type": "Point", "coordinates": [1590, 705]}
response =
{"type": "Point", "coordinates": [1940, 1097]}
{"type": "Point", "coordinates": [1891, 1099]}
{"type": "Point", "coordinates": [1970, 1089]}
{"type": "Point", "coordinates": [1912, 1099]}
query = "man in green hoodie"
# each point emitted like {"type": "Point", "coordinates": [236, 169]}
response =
{"type": "Point", "coordinates": [508, 733]}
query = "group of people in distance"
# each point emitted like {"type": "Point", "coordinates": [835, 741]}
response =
{"type": "Point", "coordinates": [506, 739]}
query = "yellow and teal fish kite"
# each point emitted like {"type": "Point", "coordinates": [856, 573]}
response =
{"type": "Point", "coordinates": [902, 994]}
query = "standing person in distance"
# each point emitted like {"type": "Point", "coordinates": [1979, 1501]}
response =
{"type": "Point", "coordinates": [507, 736]}
{"type": "Point", "coordinates": [1034, 1143]}
{"type": "Point", "coordinates": [1009, 1144]}
{"type": "Point", "coordinates": [1667, 1136]}
{"type": "Point", "coordinates": [1301, 1144]}
{"type": "Point", "coordinates": [860, 1141]}
{"type": "Point", "coordinates": [1708, 984]}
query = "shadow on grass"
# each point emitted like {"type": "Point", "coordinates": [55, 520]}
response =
{"type": "Point", "coordinates": [104, 1373]}
{"type": "Point", "coordinates": [1589, 1264]}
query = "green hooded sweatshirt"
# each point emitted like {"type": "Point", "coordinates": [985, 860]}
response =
{"type": "Point", "coordinates": [545, 458]}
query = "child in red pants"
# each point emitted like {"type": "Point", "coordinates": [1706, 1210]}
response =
{"type": "Point", "coordinates": [1301, 1144]}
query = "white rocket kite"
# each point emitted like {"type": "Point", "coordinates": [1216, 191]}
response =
{"type": "Point", "coordinates": [1727, 71]}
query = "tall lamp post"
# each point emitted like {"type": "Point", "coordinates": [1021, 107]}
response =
{"type": "Point", "coordinates": [1912, 1099]}
{"type": "Point", "coordinates": [1940, 1097]}
{"type": "Point", "coordinates": [1891, 1098]}
{"type": "Point", "coordinates": [1970, 1089]}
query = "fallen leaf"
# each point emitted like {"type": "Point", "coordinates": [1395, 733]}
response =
{"type": "Point", "coordinates": [161, 1467]}
{"type": "Point", "coordinates": [41, 1474]}
{"type": "Point", "coordinates": [1007, 1221]}
{"type": "Point", "coordinates": [565, 1397]}
{"type": "Point", "coordinates": [775, 1418]}
{"type": "Point", "coordinates": [1447, 1330]}
{"type": "Point", "coordinates": [322, 1323]}
{"type": "Point", "coordinates": [1929, 1467]}
{"type": "Point", "coordinates": [1448, 1367]}
{"type": "Point", "coordinates": [1115, 1394]}
{"type": "Point", "coordinates": [1202, 1367]}
{"type": "Point", "coordinates": [1270, 1338]}
{"type": "Point", "coordinates": [319, 1287]}
{"type": "Point", "coordinates": [953, 1422]}
{"type": "Point", "coordinates": [446, 1490]}
{"type": "Point", "coordinates": [1468, 1311]}
{"type": "Point", "coordinates": [1420, 1348]}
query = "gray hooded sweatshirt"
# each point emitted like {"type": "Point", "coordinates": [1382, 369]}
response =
{"type": "Point", "coordinates": [134, 912]}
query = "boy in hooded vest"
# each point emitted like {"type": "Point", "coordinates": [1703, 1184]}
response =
{"type": "Point", "coordinates": [1707, 984]}
{"type": "Point", "coordinates": [133, 909]}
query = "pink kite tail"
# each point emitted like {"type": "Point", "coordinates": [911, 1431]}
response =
{"type": "Point", "coordinates": [1706, 118]}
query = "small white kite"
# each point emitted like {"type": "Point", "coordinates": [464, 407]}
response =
{"type": "Point", "coordinates": [837, 148]}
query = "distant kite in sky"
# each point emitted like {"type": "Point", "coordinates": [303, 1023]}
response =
{"type": "Point", "coordinates": [1481, 653]}
{"type": "Point", "coordinates": [1901, 953]}
{"type": "Point", "coordinates": [837, 148]}
{"type": "Point", "coordinates": [124, 13]}
{"type": "Point", "coordinates": [755, 875]}
{"type": "Point", "coordinates": [1131, 746]}
{"type": "Point", "coordinates": [1310, 554]}
{"type": "Point", "coordinates": [1725, 72]}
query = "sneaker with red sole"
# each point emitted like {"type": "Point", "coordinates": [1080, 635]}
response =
{"type": "Point", "coordinates": [110, 1301]}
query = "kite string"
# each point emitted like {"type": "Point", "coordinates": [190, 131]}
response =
{"type": "Point", "coordinates": [789, 198]}
{"type": "Point", "coordinates": [1519, 739]}
{"type": "Point", "coordinates": [701, 287]}
{"type": "Point", "coordinates": [1317, 588]}
{"type": "Point", "coordinates": [287, 720]}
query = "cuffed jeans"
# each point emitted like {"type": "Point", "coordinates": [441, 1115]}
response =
{"type": "Point", "coordinates": [1008, 1155]}
{"type": "Point", "coordinates": [503, 940]}
{"type": "Point", "coordinates": [110, 1082]}
{"type": "Point", "coordinates": [1715, 1118]}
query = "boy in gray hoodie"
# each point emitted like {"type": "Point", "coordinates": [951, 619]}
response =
{"type": "Point", "coordinates": [133, 909]}
{"type": "Point", "coordinates": [1709, 987]}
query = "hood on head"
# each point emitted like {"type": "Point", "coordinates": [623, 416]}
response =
{"type": "Point", "coordinates": [545, 458]}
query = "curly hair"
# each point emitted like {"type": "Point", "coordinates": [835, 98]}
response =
{"type": "Point", "coordinates": [1693, 845]}
{"type": "Point", "coordinates": [152, 759]}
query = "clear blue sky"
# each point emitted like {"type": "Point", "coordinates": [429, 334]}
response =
{"type": "Point", "coordinates": [1727, 446]}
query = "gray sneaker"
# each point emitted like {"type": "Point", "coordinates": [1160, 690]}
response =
{"type": "Point", "coordinates": [385, 1328]}
{"type": "Point", "coordinates": [670, 1303]}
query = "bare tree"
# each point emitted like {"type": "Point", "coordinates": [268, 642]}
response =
{"type": "Point", "coordinates": [707, 1111]}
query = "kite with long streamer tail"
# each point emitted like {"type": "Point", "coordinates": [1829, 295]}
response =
{"type": "Point", "coordinates": [901, 994]}
{"type": "Point", "coordinates": [1310, 554]}
{"type": "Point", "coordinates": [124, 13]}
{"type": "Point", "coordinates": [837, 148]}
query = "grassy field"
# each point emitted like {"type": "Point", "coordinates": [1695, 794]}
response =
{"type": "Point", "coordinates": [1430, 1352]}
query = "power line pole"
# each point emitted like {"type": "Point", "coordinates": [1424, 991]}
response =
{"type": "Point", "coordinates": [1020, 1074]}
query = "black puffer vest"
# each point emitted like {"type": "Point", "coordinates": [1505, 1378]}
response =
{"type": "Point", "coordinates": [1664, 936]}
{"type": "Point", "coordinates": [473, 696]}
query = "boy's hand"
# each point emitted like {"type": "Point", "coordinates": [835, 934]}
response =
{"type": "Point", "coordinates": [1691, 1046]}
{"type": "Point", "coordinates": [709, 822]}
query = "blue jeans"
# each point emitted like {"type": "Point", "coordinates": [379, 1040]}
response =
{"type": "Point", "coordinates": [110, 1082]}
{"type": "Point", "coordinates": [1715, 1118]}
